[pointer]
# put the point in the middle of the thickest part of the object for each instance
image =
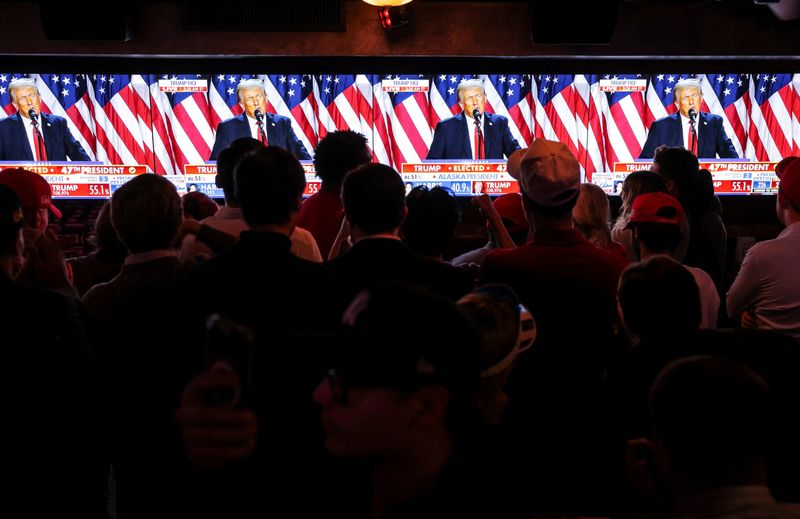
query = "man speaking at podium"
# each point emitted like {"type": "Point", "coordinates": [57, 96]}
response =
{"type": "Point", "coordinates": [33, 136]}
{"type": "Point", "coordinates": [255, 122]}
{"type": "Point", "coordinates": [701, 133]}
{"type": "Point", "coordinates": [472, 134]}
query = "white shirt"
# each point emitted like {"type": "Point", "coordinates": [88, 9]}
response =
{"type": "Point", "coordinates": [29, 133]}
{"type": "Point", "coordinates": [231, 221]}
{"type": "Point", "coordinates": [254, 127]}
{"type": "Point", "coordinates": [471, 133]}
{"type": "Point", "coordinates": [769, 283]}
{"type": "Point", "coordinates": [734, 502]}
{"type": "Point", "coordinates": [685, 129]}
{"type": "Point", "coordinates": [709, 298]}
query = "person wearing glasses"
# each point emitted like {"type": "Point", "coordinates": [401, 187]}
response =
{"type": "Point", "coordinates": [465, 136]}
{"type": "Point", "coordinates": [701, 133]}
{"type": "Point", "coordinates": [255, 122]}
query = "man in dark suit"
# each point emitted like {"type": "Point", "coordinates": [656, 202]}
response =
{"type": "Point", "coordinates": [709, 139]}
{"type": "Point", "coordinates": [458, 137]}
{"type": "Point", "coordinates": [374, 205]}
{"type": "Point", "coordinates": [43, 137]}
{"type": "Point", "coordinates": [255, 122]}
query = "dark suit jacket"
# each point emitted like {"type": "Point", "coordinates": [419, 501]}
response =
{"type": "Point", "coordinates": [58, 141]}
{"type": "Point", "coordinates": [450, 138]}
{"type": "Point", "coordinates": [279, 133]}
{"type": "Point", "coordinates": [375, 260]}
{"type": "Point", "coordinates": [711, 138]}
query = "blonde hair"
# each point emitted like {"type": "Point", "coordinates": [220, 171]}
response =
{"type": "Point", "coordinates": [592, 215]}
{"type": "Point", "coordinates": [469, 83]}
{"type": "Point", "coordinates": [635, 184]}
{"type": "Point", "coordinates": [22, 82]}
{"type": "Point", "coordinates": [249, 83]}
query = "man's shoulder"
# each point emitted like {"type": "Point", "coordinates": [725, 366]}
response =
{"type": "Point", "coordinates": [53, 118]}
{"type": "Point", "coordinates": [672, 118]}
{"type": "Point", "coordinates": [452, 121]}
{"type": "Point", "coordinates": [495, 118]}
{"type": "Point", "coordinates": [710, 118]}
{"type": "Point", "coordinates": [11, 120]}
{"type": "Point", "coordinates": [277, 118]}
{"type": "Point", "coordinates": [236, 119]}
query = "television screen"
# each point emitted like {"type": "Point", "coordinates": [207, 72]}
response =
{"type": "Point", "coordinates": [89, 133]}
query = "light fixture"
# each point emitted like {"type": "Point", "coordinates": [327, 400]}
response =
{"type": "Point", "coordinates": [387, 3]}
{"type": "Point", "coordinates": [391, 13]}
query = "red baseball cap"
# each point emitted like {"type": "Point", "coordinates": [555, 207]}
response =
{"type": "Point", "coordinates": [509, 208]}
{"type": "Point", "coordinates": [790, 182]}
{"type": "Point", "coordinates": [781, 166]}
{"type": "Point", "coordinates": [656, 208]}
{"type": "Point", "coordinates": [32, 189]}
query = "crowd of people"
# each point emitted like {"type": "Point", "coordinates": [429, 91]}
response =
{"type": "Point", "coordinates": [320, 356]}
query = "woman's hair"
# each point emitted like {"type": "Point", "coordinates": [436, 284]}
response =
{"type": "Point", "coordinates": [106, 241]}
{"type": "Point", "coordinates": [635, 184]}
{"type": "Point", "coordinates": [592, 215]}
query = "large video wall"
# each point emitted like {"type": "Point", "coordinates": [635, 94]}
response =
{"type": "Point", "coordinates": [166, 123]}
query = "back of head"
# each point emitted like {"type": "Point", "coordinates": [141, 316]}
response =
{"type": "Point", "coordinates": [107, 242]}
{"type": "Point", "coordinates": [592, 215]}
{"type": "Point", "coordinates": [657, 218]}
{"type": "Point", "coordinates": [431, 220]}
{"type": "Point", "coordinates": [374, 198]}
{"type": "Point", "coordinates": [712, 416]}
{"type": "Point", "coordinates": [11, 220]}
{"type": "Point", "coordinates": [386, 337]}
{"type": "Point", "coordinates": [34, 194]}
{"type": "Point", "coordinates": [789, 190]}
{"type": "Point", "coordinates": [146, 213]}
{"type": "Point", "coordinates": [338, 153]}
{"type": "Point", "coordinates": [198, 205]}
{"type": "Point", "coordinates": [512, 213]}
{"type": "Point", "coordinates": [549, 179]}
{"type": "Point", "coordinates": [269, 184]}
{"type": "Point", "coordinates": [227, 161]}
{"type": "Point", "coordinates": [677, 165]}
{"type": "Point", "coordinates": [659, 299]}
{"type": "Point", "coordinates": [638, 183]}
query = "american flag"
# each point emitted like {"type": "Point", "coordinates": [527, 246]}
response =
{"type": "Point", "coordinates": [6, 108]}
{"type": "Point", "coordinates": [555, 100]}
{"type": "Point", "coordinates": [727, 95]}
{"type": "Point", "coordinates": [185, 119]}
{"type": "Point", "coordinates": [589, 125]}
{"type": "Point", "coordinates": [444, 98]}
{"type": "Point", "coordinates": [292, 96]}
{"type": "Point", "coordinates": [624, 116]}
{"type": "Point", "coordinates": [511, 96]}
{"type": "Point", "coordinates": [405, 115]}
{"type": "Point", "coordinates": [222, 96]}
{"type": "Point", "coordinates": [660, 96]}
{"type": "Point", "coordinates": [774, 101]}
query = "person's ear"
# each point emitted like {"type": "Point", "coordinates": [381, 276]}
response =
{"type": "Point", "coordinates": [642, 468]}
{"type": "Point", "coordinates": [670, 184]}
{"type": "Point", "coordinates": [429, 406]}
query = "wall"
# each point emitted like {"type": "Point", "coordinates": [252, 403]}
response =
{"type": "Point", "coordinates": [722, 28]}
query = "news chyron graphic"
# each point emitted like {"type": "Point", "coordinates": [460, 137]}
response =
{"type": "Point", "coordinates": [87, 134]}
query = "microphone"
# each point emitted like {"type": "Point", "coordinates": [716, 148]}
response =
{"type": "Point", "coordinates": [33, 115]}
{"type": "Point", "coordinates": [476, 114]}
{"type": "Point", "coordinates": [692, 114]}
{"type": "Point", "coordinates": [259, 115]}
